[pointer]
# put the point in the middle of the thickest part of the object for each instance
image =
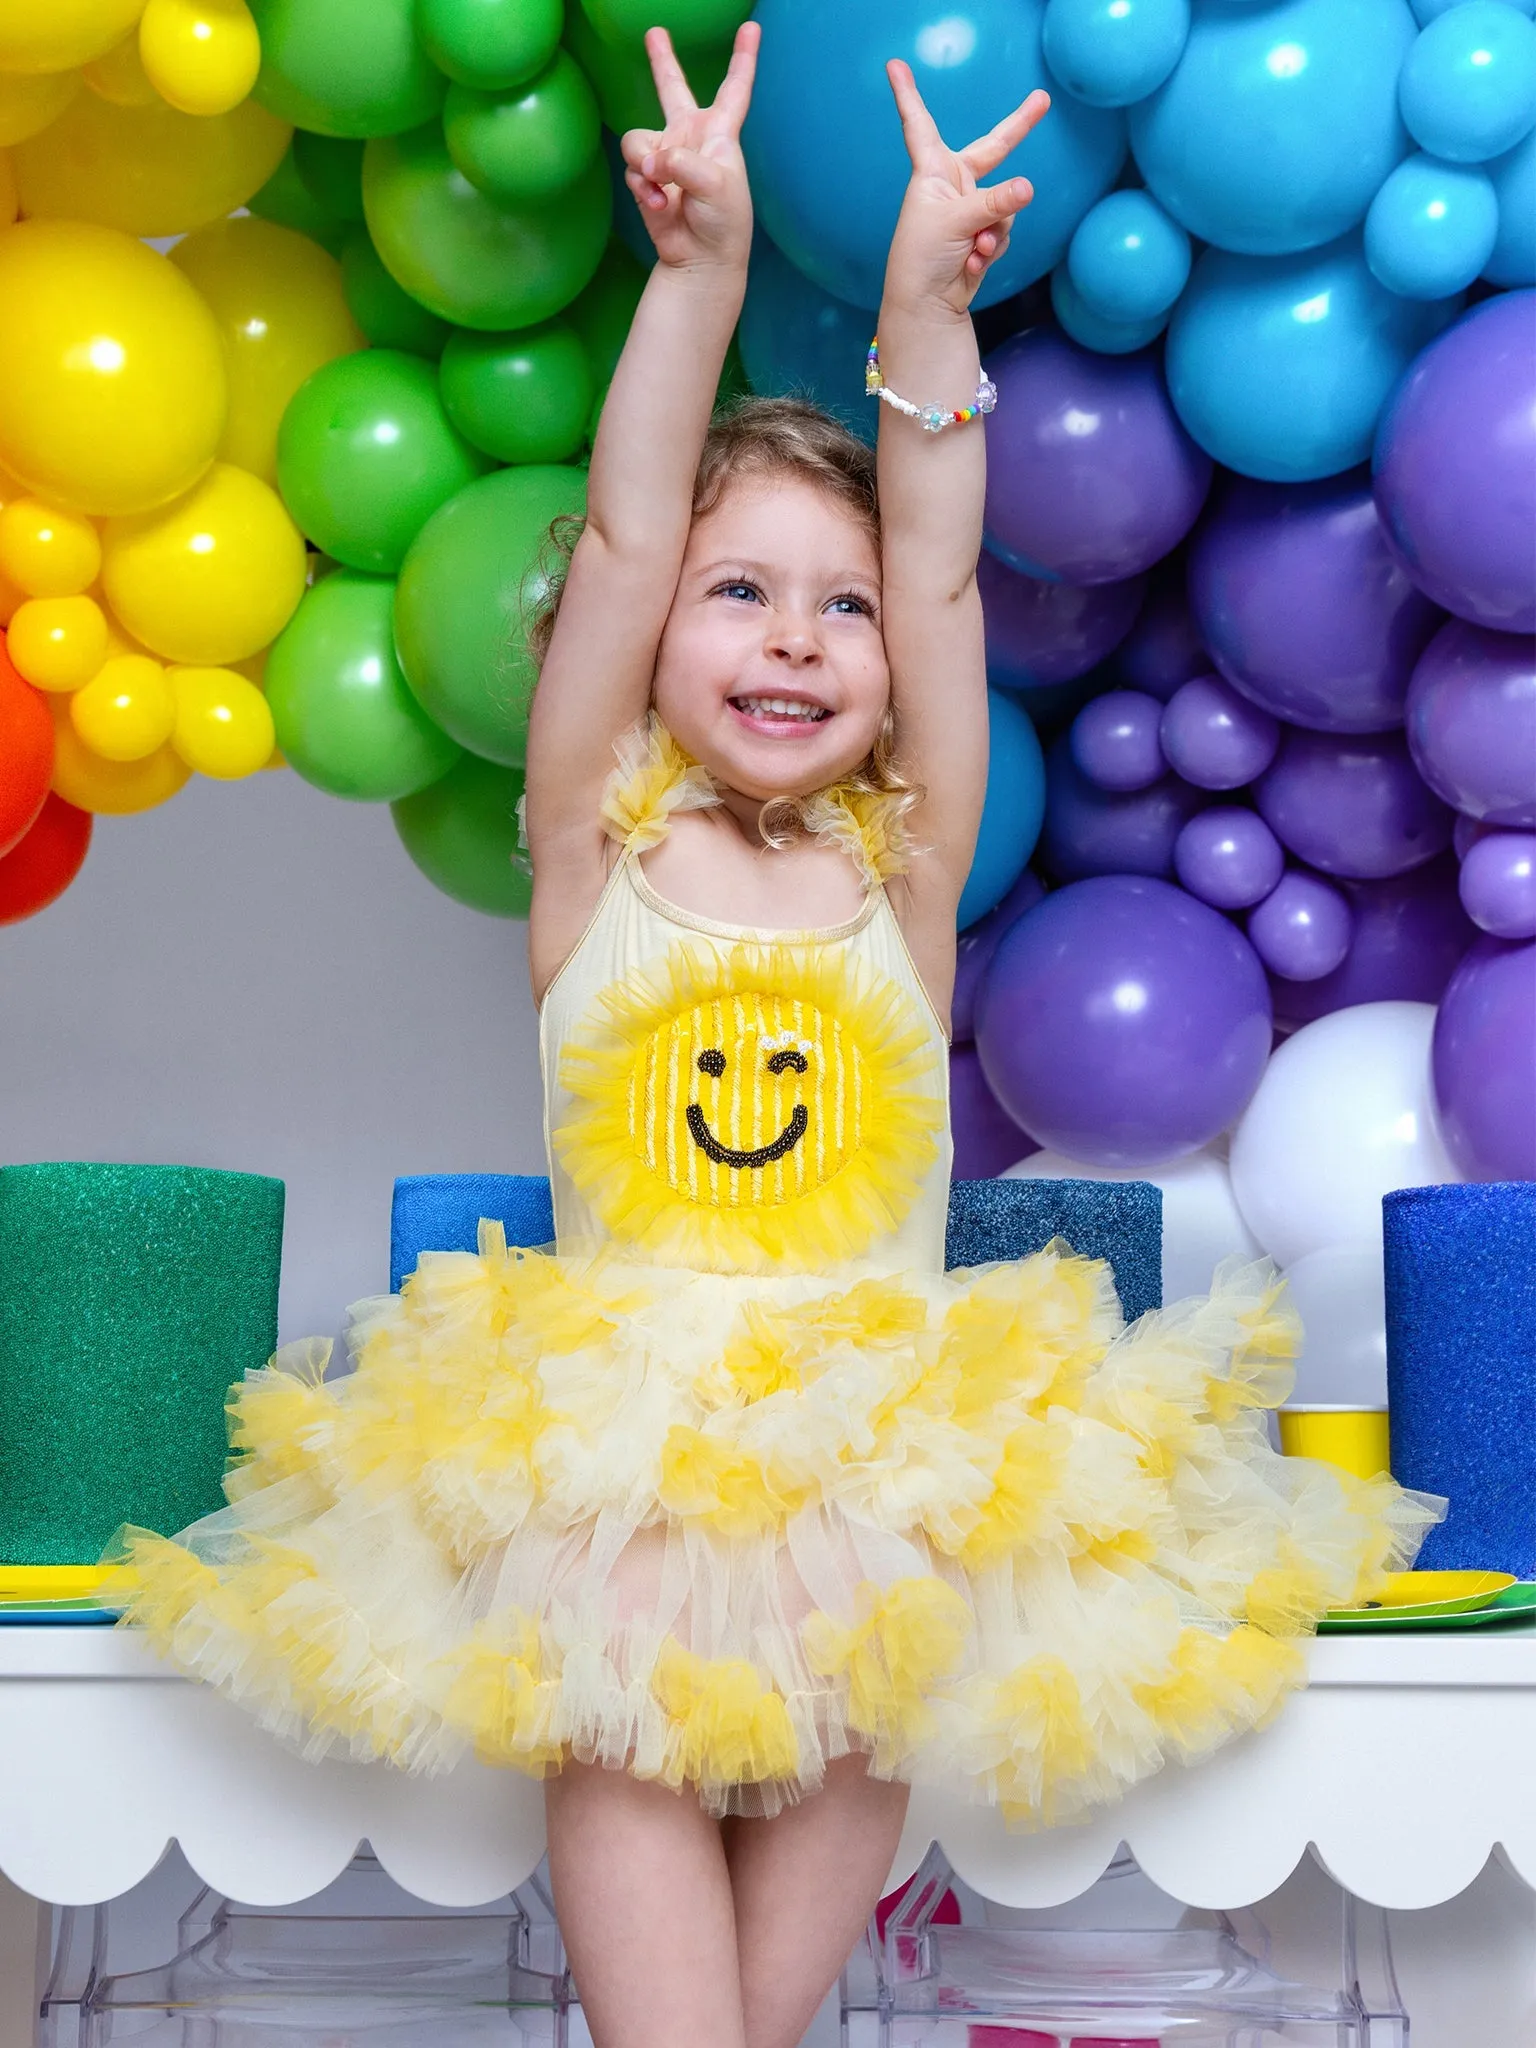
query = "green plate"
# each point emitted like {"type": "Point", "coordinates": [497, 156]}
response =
{"type": "Point", "coordinates": [1516, 1604]}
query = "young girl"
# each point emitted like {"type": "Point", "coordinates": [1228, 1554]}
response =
{"type": "Point", "coordinates": [736, 1514]}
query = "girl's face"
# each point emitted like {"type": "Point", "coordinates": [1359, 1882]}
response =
{"type": "Point", "coordinates": [771, 670]}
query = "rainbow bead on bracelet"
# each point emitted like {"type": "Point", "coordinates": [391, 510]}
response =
{"type": "Point", "coordinates": [934, 418]}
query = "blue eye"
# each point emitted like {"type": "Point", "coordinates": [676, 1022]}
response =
{"type": "Point", "coordinates": [745, 592]}
{"type": "Point", "coordinates": [851, 606]}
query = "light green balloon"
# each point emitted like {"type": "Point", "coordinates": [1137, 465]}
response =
{"type": "Point", "coordinates": [345, 67]}
{"type": "Point", "coordinates": [492, 44]}
{"type": "Point", "coordinates": [522, 397]}
{"type": "Point", "coordinates": [621, 73]}
{"type": "Point", "coordinates": [461, 608]}
{"type": "Point", "coordinates": [462, 834]}
{"type": "Point", "coordinates": [530, 143]}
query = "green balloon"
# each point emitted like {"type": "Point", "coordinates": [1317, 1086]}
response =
{"type": "Point", "coordinates": [466, 586]}
{"type": "Point", "coordinates": [366, 454]}
{"type": "Point", "coordinates": [332, 168]}
{"type": "Point", "coordinates": [529, 143]}
{"type": "Point", "coordinates": [287, 199]}
{"type": "Point", "coordinates": [522, 397]}
{"type": "Point", "coordinates": [603, 313]}
{"type": "Point", "coordinates": [474, 261]}
{"type": "Point", "coordinates": [621, 73]}
{"type": "Point", "coordinates": [345, 67]}
{"type": "Point", "coordinates": [389, 317]}
{"type": "Point", "coordinates": [688, 22]}
{"type": "Point", "coordinates": [492, 44]}
{"type": "Point", "coordinates": [346, 720]}
{"type": "Point", "coordinates": [462, 833]}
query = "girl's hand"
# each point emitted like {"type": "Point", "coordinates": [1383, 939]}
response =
{"type": "Point", "coordinates": [951, 229]}
{"type": "Point", "coordinates": [690, 181]}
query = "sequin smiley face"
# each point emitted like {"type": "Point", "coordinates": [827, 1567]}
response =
{"type": "Point", "coordinates": [762, 1107]}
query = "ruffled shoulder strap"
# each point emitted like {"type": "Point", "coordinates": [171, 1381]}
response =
{"type": "Point", "coordinates": [867, 824]}
{"type": "Point", "coordinates": [653, 778]}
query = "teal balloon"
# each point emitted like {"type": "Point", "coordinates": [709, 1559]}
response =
{"type": "Point", "coordinates": [468, 258]}
{"type": "Point", "coordinates": [1090, 329]}
{"type": "Point", "coordinates": [1114, 52]}
{"type": "Point", "coordinates": [1012, 812]}
{"type": "Point", "coordinates": [332, 167]}
{"type": "Point", "coordinates": [530, 143]}
{"type": "Point", "coordinates": [366, 453]}
{"type": "Point", "coordinates": [1128, 258]}
{"type": "Point", "coordinates": [461, 610]}
{"type": "Point", "coordinates": [1280, 366]}
{"type": "Point", "coordinates": [345, 67]}
{"type": "Point", "coordinates": [1431, 228]}
{"type": "Point", "coordinates": [1514, 183]}
{"type": "Point", "coordinates": [386, 313]}
{"type": "Point", "coordinates": [491, 44]}
{"type": "Point", "coordinates": [796, 339]}
{"type": "Point", "coordinates": [1468, 86]}
{"type": "Point", "coordinates": [1278, 123]}
{"type": "Point", "coordinates": [345, 717]}
{"type": "Point", "coordinates": [1431, 10]}
{"type": "Point", "coordinates": [521, 397]}
{"type": "Point", "coordinates": [463, 835]}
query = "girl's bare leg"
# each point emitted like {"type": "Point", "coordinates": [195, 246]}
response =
{"type": "Point", "coordinates": [644, 1898]}
{"type": "Point", "coordinates": [805, 1884]}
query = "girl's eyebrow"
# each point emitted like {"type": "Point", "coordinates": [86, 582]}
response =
{"type": "Point", "coordinates": [736, 565]}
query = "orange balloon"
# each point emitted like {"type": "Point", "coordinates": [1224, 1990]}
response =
{"type": "Point", "coordinates": [92, 784]}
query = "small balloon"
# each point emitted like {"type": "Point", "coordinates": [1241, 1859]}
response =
{"type": "Point", "coordinates": [1472, 722]}
{"type": "Point", "coordinates": [57, 643]}
{"type": "Point", "coordinates": [1114, 52]}
{"type": "Point", "coordinates": [223, 724]}
{"type": "Point", "coordinates": [1303, 927]}
{"type": "Point", "coordinates": [44, 861]}
{"type": "Point", "coordinates": [1498, 884]}
{"type": "Point", "coordinates": [1115, 741]}
{"type": "Point", "coordinates": [1351, 806]}
{"type": "Point", "coordinates": [462, 833]}
{"type": "Point", "coordinates": [686, 21]}
{"type": "Point", "coordinates": [200, 55]}
{"type": "Point", "coordinates": [1082, 323]}
{"type": "Point", "coordinates": [384, 310]}
{"type": "Point", "coordinates": [1432, 228]}
{"type": "Point", "coordinates": [1089, 831]}
{"type": "Point", "coordinates": [1011, 813]}
{"type": "Point", "coordinates": [114, 788]}
{"type": "Point", "coordinates": [126, 711]}
{"type": "Point", "coordinates": [1485, 1078]}
{"type": "Point", "coordinates": [1468, 84]}
{"type": "Point", "coordinates": [331, 168]}
{"type": "Point", "coordinates": [45, 552]}
{"type": "Point", "coordinates": [1229, 858]}
{"type": "Point", "coordinates": [1410, 932]}
{"type": "Point", "coordinates": [345, 67]}
{"type": "Point", "coordinates": [26, 753]}
{"type": "Point", "coordinates": [1128, 258]}
{"type": "Point", "coordinates": [1040, 634]}
{"type": "Point", "coordinates": [521, 397]}
{"type": "Point", "coordinates": [530, 143]}
{"type": "Point", "coordinates": [491, 44]}
{"type": "Point", "coordinates": [620, 73]}
{"type": "Point", "coordinates": [1214, 737]}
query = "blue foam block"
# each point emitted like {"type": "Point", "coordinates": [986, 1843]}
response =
{"type": "Point", "coordinates": [440, 1212]}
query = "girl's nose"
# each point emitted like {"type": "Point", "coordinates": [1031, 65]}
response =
{"type": "Point", "coordinates": [793, 641]}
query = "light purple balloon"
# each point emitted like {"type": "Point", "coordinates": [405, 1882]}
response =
{"type": "Point", "coordinates": [1089, 831]}
{"type": "Point", "coordinates": [1498, 884]}
{"type": "Point", "coordinates": [1485, 1062]}
{"type": "Point", "coordinates": [987, 1140]}
{"type": "Point", "coordinates": [1351, 805]}
{"type": "Point", "coordinates": [975, 947]}
{"type": "Point", "coordinates": [1228, 857]}
{"type": "Point", "coordinates": [1303, 605]}
{"type": "Point", "coordinates": [1410, 935]}
{"type": "Point", "coordinates": [1041, 633]}
{"type": "Point", "coordinates": [1115, 743]}
{"type": "Point", "coordinates": [1472, 721]}
{"type": "Point", "coordinates": [1090, 476]}
{"type": "Point", "coordinates": [1123, 1023]}
{"type": "Point", "coordinates": [1214, 737]}
{"type": "Point", "coordinates": [1302, 928]}
{"type": "Point", "coordinates": [1455, 465]}
{"type": "Point", "coordinates": [1162, 650]}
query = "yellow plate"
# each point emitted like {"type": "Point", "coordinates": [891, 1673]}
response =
{"type": "Point", "coordinates": [49, 1581]}
{"type": "Point", "coordinates": [1427, 1593]}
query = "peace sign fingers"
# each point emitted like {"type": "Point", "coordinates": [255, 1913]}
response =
{"type": "Point", "coordinates": [672, 87]}
{"type": "Point", "coordinates": [919, 129]}
{"type": "Point", "coordinates": [735, 94]}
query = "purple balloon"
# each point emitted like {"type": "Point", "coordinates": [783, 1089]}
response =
{"type": "Point", "coordinates": [1042, 633]}
{"type": "Point", "coordinates": [1485, 1062]}
{"type": "Point", "coordinates": [1228, 857]}
{"type": "Point", "coordinates": [1089, 831]}
{"type": "Point", "coordinates": [1410, 934]}
{"type": "Point", "coordinates": [1114, 741]}
{"type": "Point", "coordinates": [1123, 1023]}
{"type": "Point", "coordinates": [1213, 736]}
{"type": "Point", "coordinates": [1163, 649]}
{"type": "Point", "coordinates": [975, 947]}
{"type": "Point", "coordinates": [1090, 477]}
{"type": "Point", "coordinates": [1303, 928]}
{"type": "Point", "coordinates": [1472, 721]}
{"type": "Point", "coordinates": [1351, 806]}
{"type": "Point", "coordinates": [1303, 605]}
{"type": "Point", "coordinates": [1498, 884]}
{"type": "Point", "coordinates": [987, 1140]}
{"type": "Point", "coordinates": [1455, 465]}
{"type": "Point", "coordinates": [1465, 834]}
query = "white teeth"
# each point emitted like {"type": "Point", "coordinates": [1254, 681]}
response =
{"type": "Point", "coordinates": [781, 707]}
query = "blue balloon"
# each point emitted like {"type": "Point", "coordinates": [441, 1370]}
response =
{"type": "Point", "coordinates": [824, 146]}
{"type": "Point", "coordinates": [1514, 183]}
{"type": "Point", "coordinates": [1431, 10]}
{"type": "Point", "coordinates": [1128, 259]}
{"type": "Point", "coordinates": [1279, 368]}
{"type": "Point", "coordinates": [1431, 228]}
{"type": "Point", "coordinates": [1013, 812]}
{"type": "Point", "coordinates": [798, 340]}
{"type": "Point", "coordinates": [1468, 85]}
{"type": "Point", "coordinates": [1113, 52]}
{"type": "Point", "coordinates": [1089, 329]}
{"type": "Point", "coordinates": [1278, 123]}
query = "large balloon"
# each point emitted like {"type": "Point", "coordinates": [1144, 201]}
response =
{"type": "Point", "coordinates": [1351, 806]}
{"type": "Point", "coordinates": [1011, 815]}
{"type": "Point", "coordinates": [1304, 607]}
{"type": "Point", "coordinates": [1163, 651]}
{"type": "Point", "coordinates": [462, 832]}
{"type": "Point", "coordinates": [112, 384]}
{"type": "Point", "coordinates": [987, 1140]}
{"type": "Point", "coordinates": [1090, 477]}
{"type": "Point", "coordinates": [797, 339]}
{"type": "Point", "coordinates": [1455, 466]}
{"type": "Point", "coordinates": [825, 151]}
{"type": "Point", "coordinates": [281, 310]}
{"type": "Point", "coordinates": [26, 754]}
{"type": "Point", "coordinates": [1214, 737]}
{"type": "Point", "coordinates": [1123, 1022]}
{"type": "Point", "coordinates": [1340, 1296]}
{"type": "Point", "coordinates": [1468, 86]}
{"type": "Point", "coordinates": [1280, 367]}
{"type": "Point", "coordinates": [45, 860]}
{"type": "Point", "coordinates": [345, 67]}
{"type": "Point", "coordinates": [384, 310]}
{"type": "Point", "coordinates": [1279, 122]}
{"type": "Point", "coordinates": [492, 44]}
{"type": "Point", "coordinates": [346, 720]}
{"type": "Point", "coordinates": [29, 103]}
{"type": "Point", "coordinates": [1431, 228]}
{"type": "Point", "coordinates": [1114, 52]}
{"type": "Point", "coordinates": [1040, 634]}
{"type": "Point", "coordinates": [1410, 932]}
{"type": "Point", "coordinates": [530, 143]}
{"type": "Point", "coordinates": [62, 34]}
{"type": "Point", "coordinates": [523, 397]}
{"type": "Point", "coordinates": [603, 312]}
{"type": "Point", "coordinates": [1472, 722]}
{"type": "Point", "coordinates": [1485, 1075]}
{"type": "Point", "coordinates": [1343, 1114]}
{"type": "Point", "coordinates": [1090, 831]}
{"type": "Point", "coordinates": [463, 598]}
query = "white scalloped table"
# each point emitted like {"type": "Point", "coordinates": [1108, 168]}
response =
{"type": "Point", "coordinates": [1408, 1761]}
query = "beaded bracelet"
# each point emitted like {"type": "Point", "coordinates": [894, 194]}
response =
{"type": "Point", "coordinates": [934, 418]}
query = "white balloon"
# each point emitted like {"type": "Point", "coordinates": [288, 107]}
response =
{"type": "Point", "coordinates": [1340, 1296]}
{"type": "Point", "coordinates": [1201, 1222]}
{"type": "Point", "coordinates": [1345, 1112]}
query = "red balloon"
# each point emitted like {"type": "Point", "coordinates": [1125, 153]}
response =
{"type": "Point", "coordinates": [43, 863]}
{"type": "Point", "coordinates": [26, 752]}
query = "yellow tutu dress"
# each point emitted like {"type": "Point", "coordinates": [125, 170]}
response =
{"type": "Point", "coordinates": [739, 1480]}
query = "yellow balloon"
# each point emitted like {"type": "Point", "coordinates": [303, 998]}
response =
{"type": "Point", "coordinates": [223, 723]}
{"type": "Point", "coordinates": [211, 578]}
{"type": "Point", "coordinates": [89, 783]}
{"type": "Point", "coordinates": [58, 643]}
{"type": "Point", "coordinates": [112, 381]}
{"type": "Point", "coordinates": [203, 55]}
{"type": "Point", "coordinates": [281, 310]}
{"type": "Point", "coordinates": [9, 203]}
{"type": "Point", "coordinates": [48, 553]}
{"type": "Point", "coordinates": [120, 76]}
{"type": "Point", "coordinates": [54, 35]}
{"type": "Point", "coordinates": [28, 105]}
{"type": "Point", "coordinates": [147, 170]}
{"type": "Point", "coordinates": [126, 710]}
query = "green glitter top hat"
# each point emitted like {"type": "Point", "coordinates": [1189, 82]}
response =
{"type": "Point", "coordinates": [131, 1298]}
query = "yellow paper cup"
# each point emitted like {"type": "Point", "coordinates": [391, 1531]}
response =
{"type": "Point", "coordinates": [1355, 1439]}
